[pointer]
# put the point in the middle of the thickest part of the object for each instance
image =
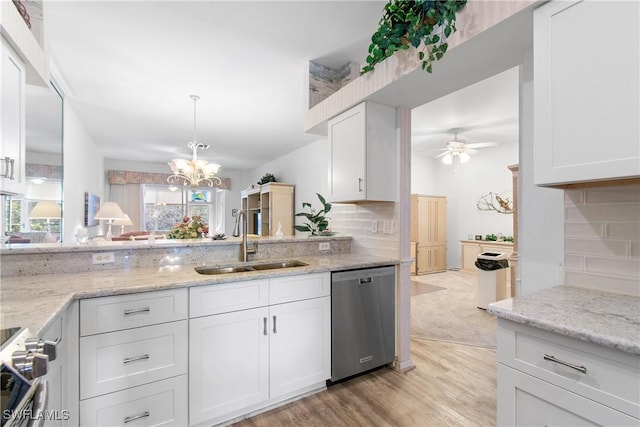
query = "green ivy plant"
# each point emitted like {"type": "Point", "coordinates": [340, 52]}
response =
{"type": "Point", "coordinates": [423, 24]}
{"type": "Point", "coordinates": [318, 222]}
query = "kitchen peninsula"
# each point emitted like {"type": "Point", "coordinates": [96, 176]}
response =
{"type": "Point", "coordinates": [168, 308]}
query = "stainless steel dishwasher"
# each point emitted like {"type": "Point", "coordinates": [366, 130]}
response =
{"type": "Point", "coordinates": [362, 320]}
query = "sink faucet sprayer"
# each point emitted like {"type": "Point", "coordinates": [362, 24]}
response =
{"type": "Point", "coordinates": [244, 250]}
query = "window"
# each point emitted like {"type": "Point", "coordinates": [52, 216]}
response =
{"type": "Point", "coordinates": [17, 217]}
{"type": "Point", "coordinates": [165, 206]}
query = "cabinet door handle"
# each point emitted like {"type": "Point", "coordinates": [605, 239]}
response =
{"type": "Point", "coordinates": [136, 417]}
{"type": "Point", "coordinates": [12, 175]}
{"type": "Point", "coordinates": [264, 328]}
{"type": "Point", "coordinates": [136, 358]}
{"type": "Point", "coordinates": [551, 358]}
{"type": "Point", "coordinates": [137, 310]}
{"type": "Point", "coordinates": [360, 180]}
{"type": "Point", "coordinates": [275, 331]}
{"type": "Point", "coordinates": [8, 162]}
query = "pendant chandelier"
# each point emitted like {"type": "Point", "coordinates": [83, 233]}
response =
{"type": "Point", "coordinates": [195, 172]}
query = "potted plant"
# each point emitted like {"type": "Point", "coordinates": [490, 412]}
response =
{"type": "Point", "coordinates": [189, 228]}
{"type": "Point", "coordinates": [423, 24]}
{"type": "Point", "coordinates": [318, 222]}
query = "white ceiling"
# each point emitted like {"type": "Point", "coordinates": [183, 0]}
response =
{"type": "Point", "coordinates": [129, 67]}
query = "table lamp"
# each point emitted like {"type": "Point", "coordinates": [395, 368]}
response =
{"type": "Point", "coordinates": [122, 222]}
{"type": "Point", "coordinates": [46, 209]}
{"type": "Point", "coordinates": [109, 211]}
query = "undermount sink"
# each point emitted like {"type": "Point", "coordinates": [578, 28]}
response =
{"type": "Point", "coordinates": [250, 267]}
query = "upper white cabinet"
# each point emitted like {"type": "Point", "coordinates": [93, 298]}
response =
{"type": "Point", "coordinates": [12, 134]}
{"type": "Point", "coordinates": [363, 154]}
{"type": "Point", "coordinates": [586, 91]}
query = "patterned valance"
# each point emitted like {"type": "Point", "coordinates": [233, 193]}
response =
{"type": "Point", "coordinates": [131, 177]}
{"type": "Point", "coordinates": [44, 171]}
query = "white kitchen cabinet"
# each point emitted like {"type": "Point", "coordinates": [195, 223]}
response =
{"type": "Point", "coordinates": [56, 377]}
{"type": "Point", "coordinates": [363, 154]}
{"type": "Point", "coordinates": [163, 403]}
{"type": "Point", "coordinates": [586, 92]}
{"type": "Point", "coordinates": [228, 362]}
{"type": "Point", "coordinates": [246, 360]}
{"type": "Point", "coordinates": [599, 388]}
{"type": "Point", "coordinates": [133, 359]}
{"type": "Point", "coordinates": [12, 125]}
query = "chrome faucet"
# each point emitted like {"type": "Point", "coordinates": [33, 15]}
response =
{"type": "Point", "coordinates": [244, 250]}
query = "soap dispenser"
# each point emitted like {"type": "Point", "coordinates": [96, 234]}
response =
{"type": "Point", "coordinates": [279, 233]}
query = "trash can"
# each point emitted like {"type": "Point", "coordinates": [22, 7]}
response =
{"type": "Point", "coordinates": [492, 278]}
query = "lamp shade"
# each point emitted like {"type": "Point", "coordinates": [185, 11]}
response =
{"type": "Point", "coordinates": [123, 221]}
{"type": "Point", "coordinates": [46, 209]}
{"type": "Point", "coordinates": [110, 210]}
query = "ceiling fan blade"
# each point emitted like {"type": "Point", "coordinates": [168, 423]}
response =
{"type": "Point", "coordinates": [441, 155]}
{"type": "Point", "coordinates": [482, 144]}
{"type": "Point", "coordinates": [471, 150]}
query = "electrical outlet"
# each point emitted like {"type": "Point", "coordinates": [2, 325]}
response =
{"type": "Point", "coordinates": [374, 226]}
{"type": "Point", "coordinates": [387, 227]}
{"type": "Point", "coordinates": [103, 258]}
{"type": "Point", "coordinates": [325, 246]}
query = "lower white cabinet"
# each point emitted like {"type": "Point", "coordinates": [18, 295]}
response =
{"type": "Point", "coordinates": [163, 403]}
{"type": "Point", "coordinates": [247, 360]}
{"type": "Point", "coordinates": [553, 380]}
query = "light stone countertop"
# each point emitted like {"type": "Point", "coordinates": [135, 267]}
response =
{"type": "Point", "coordinates": [33, 301]}
{"type": "Point", "coordinates": [609, 319]}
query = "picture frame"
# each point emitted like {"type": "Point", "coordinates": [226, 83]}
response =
{"type": "Point", "coordinates": [91, 208]}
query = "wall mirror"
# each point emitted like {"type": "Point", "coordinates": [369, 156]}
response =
{"type": "Point", "coordinates": [43, 142]}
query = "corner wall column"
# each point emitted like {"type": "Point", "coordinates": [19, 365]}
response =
{"type": "Point", "coordinates": [403, 293]}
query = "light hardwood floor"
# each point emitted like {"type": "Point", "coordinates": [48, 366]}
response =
{"type": "Point", "coordinates": [452, 385]}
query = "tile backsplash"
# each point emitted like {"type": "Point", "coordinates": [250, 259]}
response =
{"type": "Point", "coordinates": [602, 238]}
{"type": "Point", "coordinates": [356, 220]}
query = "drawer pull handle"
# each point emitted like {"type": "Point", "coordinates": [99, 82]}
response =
{"type": "Point", "coordinates": [137, 310]}
{"type": "Point", "coordinates": [275, 330]}
{"type": "Point", "coordinates": [136, 358]}
{"type": "Point", "coordinates": [137, 417]}
{"type": "Point", "coordinates": [570, 365]}
{"type": "Point", "coordinates": [264, 328]}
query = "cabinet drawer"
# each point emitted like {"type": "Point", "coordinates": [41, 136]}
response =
{"type": "Point", "coordinates": [611, 376]}
{"type": "Point", "coordinates": [108, 314]}
{"type": "Point", "coordinates": [295, 288]}
{"type": "Point", "coordinates": [527, 401]}
{"type": "Point", "coordinates": [123, 359]}
{"type": "Point", "coordinates": [163, 403]}
{"type": "Point", "coordinates": [216, 299]}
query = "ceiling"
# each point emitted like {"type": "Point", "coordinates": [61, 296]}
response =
{"type": "Point", "coordinates": [128, 69]}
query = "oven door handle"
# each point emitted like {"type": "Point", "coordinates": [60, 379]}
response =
{"type": "Point", "coordinates": [40, 402]}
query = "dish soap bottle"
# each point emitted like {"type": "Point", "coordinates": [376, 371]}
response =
{"type": "Point", "coordinates": [279, 233]}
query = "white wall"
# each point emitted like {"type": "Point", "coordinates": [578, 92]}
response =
{"type": "Point", "coordinates": [486, 172]}
{"type": "Point", "coordinates": [83, 171]}
{"type": "Point", "coordinates": [306, 168]}
{"type": "Point", "coordinates": [540, 210]}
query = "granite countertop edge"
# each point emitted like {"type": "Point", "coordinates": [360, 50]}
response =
{"type": "Point", "coordinates": [33, 302]}
{"type": "Point", "coordinates": [608, 319]}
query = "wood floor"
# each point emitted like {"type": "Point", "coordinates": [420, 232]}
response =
{"type": "Point", "coordinates": [452, 385]}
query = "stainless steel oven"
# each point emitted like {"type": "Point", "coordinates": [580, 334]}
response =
{"type": "Point", "coordinates": [23, 402]}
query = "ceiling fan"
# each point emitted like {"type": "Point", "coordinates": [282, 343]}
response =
{"type": "Point", "coordinates": [458, 152]}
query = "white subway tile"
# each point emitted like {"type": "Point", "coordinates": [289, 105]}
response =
{"type": "Point", "coordinates": [606, 212]}
{"type": "Point", "coordinates": [608, 248]}
{"type": "Point", "coordinates": [623, 231]}
{"type": "Point", "coordinates": [589, 230]}
{"type": "Point", "coordinates": [622, 194]}
{"type": "Point", "coordinates": [573, 197]}
{"type": "Point", "coordinates": [574, 262]}
{"type": "Point", "coordinates": [627, 268]}
{"type": "Point", "coordinates": [603, 283]}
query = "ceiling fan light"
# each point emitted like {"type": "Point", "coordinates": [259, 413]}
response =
{"type": "Point", "coordinates": [447, 159]}
{"type": "Point", "coordinates": [464, 157]}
